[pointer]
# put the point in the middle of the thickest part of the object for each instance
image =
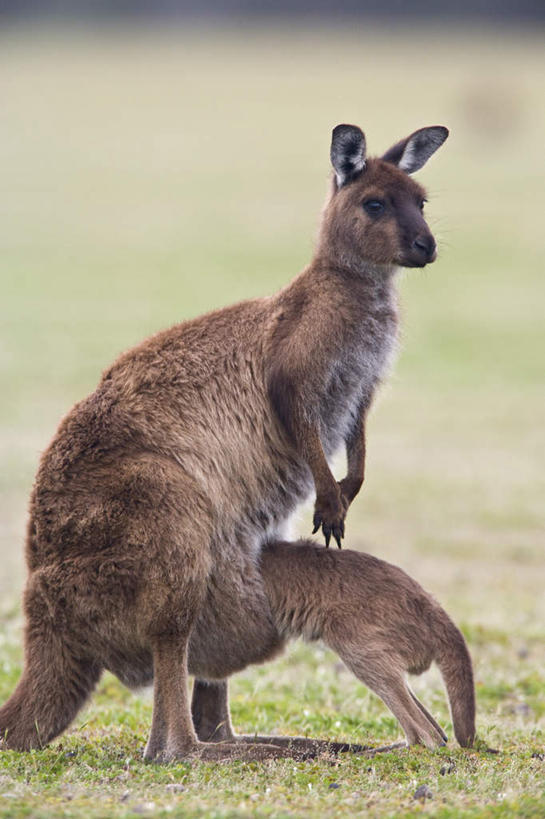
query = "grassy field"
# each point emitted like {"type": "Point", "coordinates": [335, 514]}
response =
{"type": "Point", "coordinates": [151, 175]}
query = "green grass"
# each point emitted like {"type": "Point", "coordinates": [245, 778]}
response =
{"type": "Point", "coordinates": [148, 176]}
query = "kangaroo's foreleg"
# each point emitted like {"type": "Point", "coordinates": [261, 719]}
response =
{"type": "Point", "coordinates": [355, 453]}
{"type": "Point", "coordinates": [291, 396]}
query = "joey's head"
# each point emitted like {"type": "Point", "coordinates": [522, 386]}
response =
{"type": "Point", "coordinates": [375, 215]}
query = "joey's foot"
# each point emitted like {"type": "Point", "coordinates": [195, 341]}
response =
{"type": "Point", "coordinates": [329, 514]}
{"type": "Point", "coordinates": [219, 752]}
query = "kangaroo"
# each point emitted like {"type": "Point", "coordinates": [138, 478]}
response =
{"type": "Point", "coordinates": [155, 496]}
{"type": "Point", "coordinates": [379, 621]}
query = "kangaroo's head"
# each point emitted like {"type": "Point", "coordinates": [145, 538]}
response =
{"type": "Point", "coordinates": [375, 213]}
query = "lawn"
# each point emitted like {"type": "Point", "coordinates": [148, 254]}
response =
{"type": "Point", "coordinates": [149, 175]}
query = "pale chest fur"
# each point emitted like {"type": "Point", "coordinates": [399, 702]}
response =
{"type": "Point", "coordinates": [363, 360]}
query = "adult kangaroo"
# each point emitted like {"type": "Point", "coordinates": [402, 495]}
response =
{"type": "Point", "coordinates": [153, 500]}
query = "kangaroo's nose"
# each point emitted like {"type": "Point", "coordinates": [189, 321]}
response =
{"type": "Point", "coordinates": [425, 244]}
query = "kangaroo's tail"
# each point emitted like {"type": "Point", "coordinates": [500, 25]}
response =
{"type": "Point", "coordinates": [55, 683]}
{"type": "Point", "coordinates": [456, 668]}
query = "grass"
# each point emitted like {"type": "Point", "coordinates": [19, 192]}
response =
{"type": "Point", "coordinates": [151, 175]}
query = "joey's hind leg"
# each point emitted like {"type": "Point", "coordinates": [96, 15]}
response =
{"type": "Point", "coordinates": [427, 714]}
{"type": "Point", "coordinates": [383, 671]}
{"type": "Point", "coordinates": [211, 718]}
{"type": "Point", "coordinates": [418, 727]}
{"type": "Point", "coordinates": [389, 683]}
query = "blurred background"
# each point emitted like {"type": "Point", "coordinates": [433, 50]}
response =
{"type": "Point", "coordinates": [173, 158]}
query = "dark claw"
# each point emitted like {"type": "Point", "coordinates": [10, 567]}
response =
{"type": "Point", "coordinates": [316, 522]}
{"type": "Point", "coordinates": [327, 530]}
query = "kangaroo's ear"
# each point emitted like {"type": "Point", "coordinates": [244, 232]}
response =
{"type": "Point", "coordinates": [412, 153]}
{"type": "Point", "coordinates": [347, 153]}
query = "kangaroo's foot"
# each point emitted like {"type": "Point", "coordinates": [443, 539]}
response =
{"type": "Point", "coordinates": [307, 745]}
{"type": "Point", "coordinates": [318, 747]}
{"type": "Point", "coordinates": [225, 752]}
{"type": "Point", "coordinates": [210, 710]}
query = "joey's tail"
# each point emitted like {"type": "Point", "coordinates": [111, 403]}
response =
{"type": "Point", "coordinates": [54, 685]}
{"type": "Point", "coordinates": [456, 668]}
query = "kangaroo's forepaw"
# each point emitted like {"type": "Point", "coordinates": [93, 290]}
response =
{"type": "Point", "coordinates": [336, 529]}
{"type": "Point", "coordinates": [329, 515]}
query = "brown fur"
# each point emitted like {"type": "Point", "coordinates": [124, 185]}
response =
{"type": "Point", "coordinates": [379, 621]}
{"type": "Point", "coordinates": [153, 500]}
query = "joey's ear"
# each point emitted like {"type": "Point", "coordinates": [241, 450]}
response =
{"type": "Point", "coordinates": [347, 153]}
{"type": "Point", "coordinates": [412, 153]}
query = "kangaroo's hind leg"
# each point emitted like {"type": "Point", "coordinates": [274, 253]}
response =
{"type": "Point", "coordinates": [210, 709]}
{"type": "Point", "coordinates": [172, 733]}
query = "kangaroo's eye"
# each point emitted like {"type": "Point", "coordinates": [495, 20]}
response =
{"type": "Point", "coordinates": [374, 207]}
{"type": "Point", "coordinates": [422, 203]}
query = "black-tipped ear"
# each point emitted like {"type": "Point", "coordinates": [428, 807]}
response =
{"type": "Point", "coordinates": [347, 153]}
{"type": "Point", "coordinates": [412, 153]}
